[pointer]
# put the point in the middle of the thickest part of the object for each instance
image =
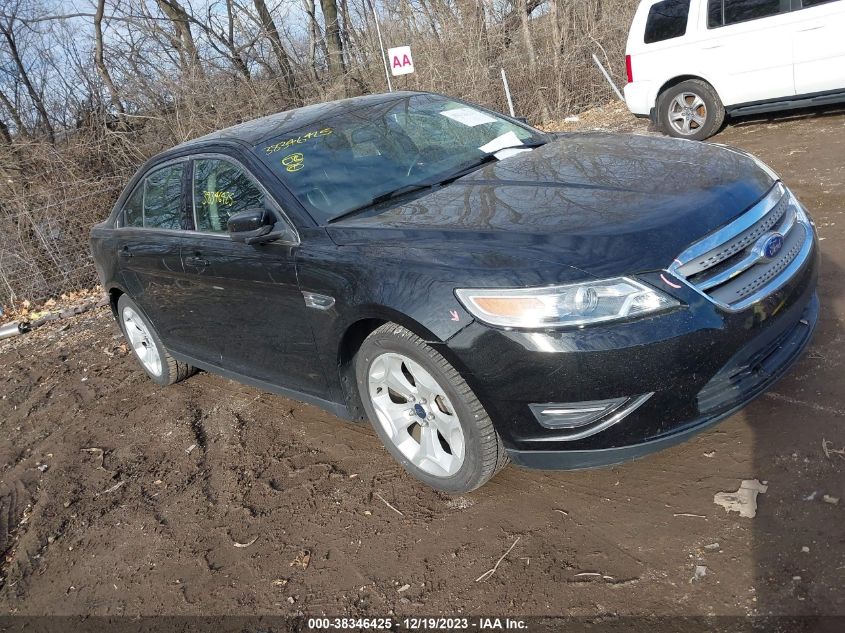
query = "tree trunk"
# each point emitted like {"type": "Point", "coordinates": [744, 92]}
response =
{"type": "Point", "coordinates": [315, 38]}
{"type": "Point", "coordinates": [276, 42]}
{"type": "Point", "coordinates": [4, 133]}
{"type": "Point", "coordinates": [525, 27]}
{"type": "Point", "coordinates": [13, 112]}
{"type": "Point", "coordinates": [99, 60]}
{"type": "Point", "coordinates": [181, 22]}
{"type": "Point", "coordinates": [234, 53]}
{"type": "Point", "coordinates": [334, 43]}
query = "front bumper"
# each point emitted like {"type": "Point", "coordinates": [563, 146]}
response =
{"type": "Point", "coordinates": [701, 363]}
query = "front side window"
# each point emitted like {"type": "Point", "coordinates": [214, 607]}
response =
{"type": "Point", "coordinates": [727, 12]}
{"type": "Point", "coordinates": [667, 20]}
{"type": "Point", "coordinates": [156, 202]}
{"type": "Point", "coordinates": [345, 162]}
{"type": "Point", "coordinates": [814, 3]}
{"type": "Point", "coordinates": [222, 189]}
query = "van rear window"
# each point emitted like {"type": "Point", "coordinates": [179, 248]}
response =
{"type": "Point", "coordinates": [667, 20]}
{"type": "Point", "coordinates": [727, 12]}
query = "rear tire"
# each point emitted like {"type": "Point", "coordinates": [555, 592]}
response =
{"type": "Point", "coordinates": [692, 110]}
{"type": "Point", "coordinates": [425, 413]}
{"type": "Point", "coordinates": [147, 347]}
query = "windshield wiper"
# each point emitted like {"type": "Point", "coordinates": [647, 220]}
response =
{"type": "Point", "coordinates": [488, 158]}
{"type": "Point", "coordinates": [409, 189]}
{"type": "Point", "coordinates": [390, 195]}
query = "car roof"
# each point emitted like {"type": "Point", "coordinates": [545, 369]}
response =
{"type": "Point", "coordinates": [256, 131]}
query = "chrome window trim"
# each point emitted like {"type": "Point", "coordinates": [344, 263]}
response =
{"type": "Point", "coordinates": [185, 232]}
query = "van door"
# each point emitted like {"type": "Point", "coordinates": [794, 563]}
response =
{"type": "Point", "coordinates": [747, 48]}
{"type": "Point", "coordinates": [819, 37]}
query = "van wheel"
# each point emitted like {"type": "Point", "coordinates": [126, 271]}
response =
{"type": "Point", "coordinates": [425, 413]}
{"type": "Point", "coordinates": [691, 110]}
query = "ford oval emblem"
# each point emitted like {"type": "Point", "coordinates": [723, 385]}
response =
{"type": "Point", "coordinates": [773, 246]}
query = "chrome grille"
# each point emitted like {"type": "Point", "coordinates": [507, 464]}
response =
{"type": "Point", "coordinates": [730, 266]}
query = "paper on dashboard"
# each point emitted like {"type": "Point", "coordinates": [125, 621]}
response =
{"type": "Point", "coordinates": [468, 116]}
{"type": "Point", "coordinates": [500, 142]}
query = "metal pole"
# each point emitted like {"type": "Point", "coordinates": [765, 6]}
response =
{"type": "Point", "coordinates": [381, 45]}
{"type": "Point", "coordinates": [607, 76]}
{"type": "Point", "coordinates": [13, 329]}
{"type": "Point", "coordinates": [508, 92]}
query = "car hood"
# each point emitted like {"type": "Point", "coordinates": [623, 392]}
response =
{"type": "Point", "coordinates": [606, 204]}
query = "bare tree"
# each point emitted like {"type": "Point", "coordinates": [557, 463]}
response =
{"type": "Point", "coordinates": [334, 43]}
{"type": "Point", "coordinates": [282, 58]}
{"type": "Point", "coordinates": [20, 128]}
{"type": "Point", "coordinates": [99, 58]}
{"type": "Point", "coordinates": [184, 40]}
{"type": "Point", "coordinates": [4, 133]}
{"type": "Point", "coordinates": [7, 29]}
{"type": "Point", "coordinates": [315, 37]}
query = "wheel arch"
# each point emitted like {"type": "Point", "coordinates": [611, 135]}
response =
{"type": "Point", "coordinates": [671, 83]}
{"type": "Point", "coordinates": [114, 293]}
{"type": "Point", "coordinates": [353, 336]}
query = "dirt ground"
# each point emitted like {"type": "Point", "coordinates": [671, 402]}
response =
{"type": "Point", "coordinates": [119, 497]}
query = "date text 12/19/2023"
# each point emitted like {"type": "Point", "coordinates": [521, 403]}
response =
{"type": "Point", "coordinates": [418, 624]}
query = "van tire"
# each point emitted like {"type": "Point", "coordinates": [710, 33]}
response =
{"type": "Point", "coordinates": [671, 104]}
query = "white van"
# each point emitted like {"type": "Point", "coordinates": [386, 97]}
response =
{"type": "Point", "coordinates": [692, 62]}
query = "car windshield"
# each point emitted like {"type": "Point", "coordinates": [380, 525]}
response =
{"type": "Point", "coordinates": [359, 158]}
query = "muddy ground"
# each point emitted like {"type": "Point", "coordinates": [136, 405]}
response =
{"type": "Point", "coordinates": [120, 497]}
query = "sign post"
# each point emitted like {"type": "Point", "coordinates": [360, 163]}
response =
{"type": "Point", "coordinates": [381, 46]}
{"type": "Point", "coordinates": [401, 60]}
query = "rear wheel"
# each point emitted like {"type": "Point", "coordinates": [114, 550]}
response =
{"type": "Point", "coordinates": [141, 336]}
{"type": "Point", "coordinates": [425, 413]}
{"type": "Point", "coordinates": [691, 110]}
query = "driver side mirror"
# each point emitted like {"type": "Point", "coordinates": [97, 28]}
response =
{"type": "Point", "coordinates": [256, 226]}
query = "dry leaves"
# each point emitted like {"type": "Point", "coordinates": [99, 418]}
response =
{"type": "Point", "coordinates": [302, 560]}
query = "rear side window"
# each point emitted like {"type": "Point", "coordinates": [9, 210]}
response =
{"type": "Point", "coordinates": [727, 12]}
{"type": "Point", "coordinates": [156, 202]}
{"type": "Point", "coordinates": [133, 212]}
{"type": "Point", "coordinates": [667, 20]}
{"type": "Point", "coordinates": [222, 189]}
{"type": "Point", "coordinates": [163, 198]}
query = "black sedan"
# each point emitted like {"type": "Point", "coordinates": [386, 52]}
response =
{"type": "Point", "coordinates": [479, 290]}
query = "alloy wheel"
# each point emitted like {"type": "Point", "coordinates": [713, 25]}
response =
{"type": "Point", "coordinates": [141, 341]}
{"type": "Point", "coordinates": [687, 113]}
{"type": "Point", "coordinates": [416, 414]}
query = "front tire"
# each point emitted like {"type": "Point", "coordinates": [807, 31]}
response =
{"type": "Point", "coordinates": [147, 347]}
{"type": "Point", "coordinates": [691, 110]}
{"type": "Point", "coordinates": [425, 413]}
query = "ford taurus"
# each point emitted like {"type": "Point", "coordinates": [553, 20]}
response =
{"type": "Point", "coordinates": [480, 291]}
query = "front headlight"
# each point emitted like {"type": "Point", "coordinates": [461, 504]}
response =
{"type": "Point", "coordinates": [573, 304]}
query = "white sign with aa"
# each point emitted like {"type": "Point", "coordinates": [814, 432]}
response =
{"type": "Point", "coordinates": [401, 61]}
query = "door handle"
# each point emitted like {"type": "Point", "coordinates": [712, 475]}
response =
{"type": "Point", "coordinates": [125, 252]}
{"type": "Point", "coordinates": [811, 28]}
{"type": "Point", "coordinates": [711, 48]}
{"type": "Point", "coordinates": [197, 261]}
